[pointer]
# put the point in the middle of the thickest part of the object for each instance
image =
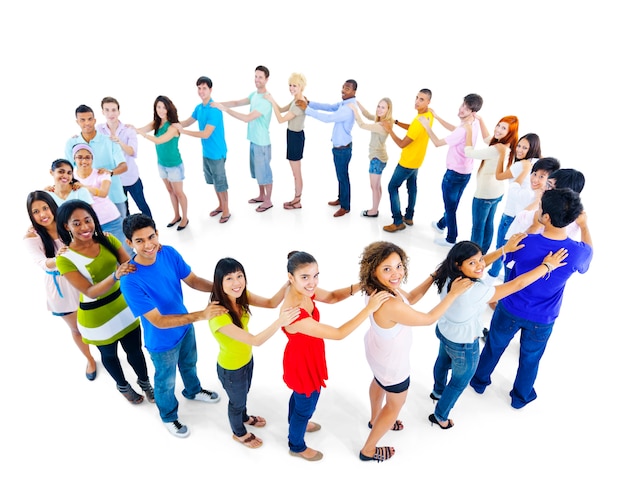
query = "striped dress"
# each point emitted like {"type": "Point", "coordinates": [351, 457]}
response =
{"type": "Point", "coordinates": [107, 318]}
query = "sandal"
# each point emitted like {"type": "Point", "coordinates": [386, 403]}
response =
{"type": "Point", "coordinates": [433, 420]}
{"type": "Point", "coordinates": [251, 442]}
{"type": "Point", "coordinates": [257, 421]}
{"type": "Point", "coordinates": [224, 219]}
{"type": "Point", "coordinates": [216, 212]}
{"type": "Point", "coordinates": [380, 454]}
{"type": "Point", "coordinates": [293, 205]}
{"type": "Point", "coordinates": [397, 426]}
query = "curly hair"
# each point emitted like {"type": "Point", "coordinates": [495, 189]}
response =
{"type": "Point", "coordinates": [373, 255]}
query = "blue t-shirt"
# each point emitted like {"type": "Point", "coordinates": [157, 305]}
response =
{"type": "Point", "coordinates": [215, 146]}
{"type": "Point", "coordinates": [541, 301]}
{"type": "Point", "coordinates": [158, 286]}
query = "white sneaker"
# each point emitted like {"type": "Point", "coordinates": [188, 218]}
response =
{"type": "Point", "coordinates": [177, 429]}
{"type": "Point", "coordinates": [442, 241]}
{"type": "Point", "coordinates": [436, 227]}
{"type": "Point", "coordinates": [207, 396]}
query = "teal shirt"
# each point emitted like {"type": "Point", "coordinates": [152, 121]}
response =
{"type": "Point", "coordinates": [259, 129]}
{"type": "Point", "coordinates": [167, 153]}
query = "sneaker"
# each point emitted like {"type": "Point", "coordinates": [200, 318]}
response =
{"type": "Point", "coordinates": [408, 221]}
{"type": "Point", "coordinates": [147, 389]}
{"type": "Point", "coordinates": [207, 396]}
{"type": "Point", "coordinates": [177, 429]}
{"type": "Point", "coordinates": [442, 241]}
{"type": "Point", "coordinates": [131, 395]}
{"type": "Point", "coordinates": [394, 227]}
{"type": "Point", "coordinates": [437, 228]}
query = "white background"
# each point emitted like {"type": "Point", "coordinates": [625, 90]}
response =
{"type": "Point", "coordinates": [558, 68]}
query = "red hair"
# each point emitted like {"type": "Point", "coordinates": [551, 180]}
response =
{"type": "Point", "coordinates": [510, 138]}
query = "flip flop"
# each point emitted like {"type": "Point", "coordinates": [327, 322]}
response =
{"type": "Point", "coordinates": [257, 421]}
{"type": "Point", "coordinates": [249, 442]}
{"type": "Point", "coordinates": [254, 201]}
{"type": "Point", "coordinates": [223, 220]}
{"type": "Point", "coordinates": [261, 209]}
{"type": "Point", "coordinates": [214, 213]}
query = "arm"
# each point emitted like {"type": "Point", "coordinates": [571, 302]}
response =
{"type": "Point", "coordinates": [174, 320]}
{"type": "Point", "coordinates": [161, 139]}
{"type": "Point", "coordinates": [442, 122]}
{"type": "Point", "coordinates": [286, 317]}
{"type": "Point", "coordinates": [188, 122]}
{"type": "Point", "coordinates": [76, 279]}
{"type": "Point", "coordinates": [511, 246]}
{"type": "Point", "coordinates": [273, 302]}
{"type": "Point", "coordinates": [365, 112]}
{"type": "Point", "coordinates": [198, 283]}
{"type": "Point", "coordinates": [199, 134]}
{"type": "Point", "coordinates": [585, 235]}
{"type": "Point", "coordinates": [313, 328]}
{"type": "Point", "coordinates": [100, 192]}
{"type": "Point", "coordinates": [418, 293]}
{"type": "Point", "coordinates": [337, 295]}
{"type": "Point", "coordinates": [34, 247]}
{"type": "Point", "coordinates": [235, 103]}
{"type": "Point", "coordinates": [401, 143]}
{"type": "Point", "coordinates": [484, 131]}
{"type": "Point", "coordinates": [549, 263]}
{"type": "Point", "coordinates": [246, 118]}
{"type": "Point", "coordinates": [435, 140]}
{"type": "Point", "coordinates": [278, 110]}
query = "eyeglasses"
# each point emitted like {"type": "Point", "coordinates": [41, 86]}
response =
{"type": "Point", "coordinates": [80, 158]}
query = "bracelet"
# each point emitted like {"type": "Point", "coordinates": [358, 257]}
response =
{"type": "Point", "coordinates": [351, 290]}
{"type": "Point", "coordinates": [550, 269]}
{"type": "Point", "coordinates": [114, 275]}
{"type": "Point", "coordinates": [396, 122]}
{"type": "Point", "coordinates": [432, 276]}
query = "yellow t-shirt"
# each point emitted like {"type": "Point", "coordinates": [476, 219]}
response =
{"type": "Point", "coordinates": [412, 156]}
{"type": "Point", "coordinates": [233, 354]}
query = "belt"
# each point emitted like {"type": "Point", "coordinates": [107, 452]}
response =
{"type": "Point", "coordinates": [348, 146]}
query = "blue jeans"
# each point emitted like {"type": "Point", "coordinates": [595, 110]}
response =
{"type": "Point", "coordinates": [400, 175]}
{"type": "Point", "coordinates": [184, 355]}
{"type": "Point", "coordinates": [237, 383]}
{"type": "Point", "coordinates": [533, 340]}
{"type": "Point", "coordinates": [483, 213]}
{"type": "Point", "coordinates": [452, 187]}
{"type": "Point", "coordinates": [342, 157]}
{"type": "Point", "coordinates": [115, 227]}
{"type": "Point", "coordinates": [503, 227]}
{"type": "Point", "coordinates": [136, 191]}
{"type": "Point", "coordinates": [462, 359]}
{"type": "Point", "coordinates": [301, 409]}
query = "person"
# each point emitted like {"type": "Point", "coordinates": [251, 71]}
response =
{"type": "Point", "coordinates": [458, 165]}
{"type": "Point", "coordinates": [258, 120]}
{"type": "Point", "coordinates": [384, 267]}
{"type": "Point", "coordinates": [519, 193]}
{"type": "Point", "coordinates": [489, 189]}
{"type": "Point", "coordinates": [540, 173]}
{"type": "Point", "coordinates": [126, 138]}
{"type": "Point", "coordinates": [154, 293]}
{"type": "Point", "coordinates": [98, 185]}
{"type": "Point", "coordinates": [64, 184]}
{"type": "Point", "coordinates": [304, 360]}
{"type": "Point", "coordinates": [460, 326]}
{"type": "Point", "coordinates": [294, 116]}
{"type": "Point", "coordinates": [377, 150]}
{"type": "Point", "coordinates": [211, 134]}
{"type": "Point", "coordinates": [534, 310]}
{"type": "Point", "coordinates": [413, 147]}
{"type": "Point", "coordinates": [170, 162]}
{"type": "Point", "coordinates": [563, 178]}
{"type": "Point", "coordinates": [42, 244]}
{"type": "Point", "coordinates": [93, 264]}
{"type": "Point", "coordinates": [109, 155]}
{"type": "Point", "coordinates": [235, 363]}
{"type": "Point", "coordinates": [343, 118]}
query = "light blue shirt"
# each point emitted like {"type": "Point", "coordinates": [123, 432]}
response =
{"type": "Point", "coordinates": [339, 114]}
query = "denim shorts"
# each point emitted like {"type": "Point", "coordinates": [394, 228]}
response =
{"type": "Point", "coordinates": [172, 173]}
{"type": "Point", "coordinates": [260, 157]}
{"type": "Point", "coordinates": [377, 166]}
{"type": "Point", "coordinates": [215, 173]}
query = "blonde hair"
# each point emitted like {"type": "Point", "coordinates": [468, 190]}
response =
{"type": "Point", "coordinates": [388, 114]}
{"type": "Point", "coordinates": [298, 79]}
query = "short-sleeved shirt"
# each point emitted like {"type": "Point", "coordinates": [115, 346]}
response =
{"type": "Point", "coordinates": [214, 147]}
{"type": "Point", "coordinates": [412, 156]}
{"type": "Point", "coordinates": [456, 160]}
{"type": "Point", "coordinates": [233, 354]}
{"type": "Point", "coordinates": [259, 129]}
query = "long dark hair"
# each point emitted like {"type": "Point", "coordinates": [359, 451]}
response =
{"type": "Point", "coordinates": [48, 242]}
{"type": "Point", "coordinates": [224, 267]}
{"type": "Point", "coordinates": [172, 112]}
{"type": "Point", "coordinates": [450, 268]}
{"type": "Point", "coordinates": [63, 217]}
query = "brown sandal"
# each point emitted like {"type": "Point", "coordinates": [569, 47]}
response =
{"type": "Point", "coordinates": [250, 441]}
{"type": "Point", "coordinates": [257, 421]}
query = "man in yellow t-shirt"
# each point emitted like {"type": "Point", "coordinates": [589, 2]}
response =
{"type": "Point", "coordinates": [413, 146]}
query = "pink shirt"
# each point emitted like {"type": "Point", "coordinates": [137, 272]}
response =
{"type": "Point", "coordinates": [456, 159]}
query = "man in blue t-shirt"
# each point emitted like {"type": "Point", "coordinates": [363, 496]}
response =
{"type": "Point", "coordinates": [153, 292]}
{"type": "Point", "coordinates": [211, 132]}
{"type": "Point", "coordinates": [534, 309]}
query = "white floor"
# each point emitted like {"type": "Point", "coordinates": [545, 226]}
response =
{"type": "Point", "coordinates": [66, 435]}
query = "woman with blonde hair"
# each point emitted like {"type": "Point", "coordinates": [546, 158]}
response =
{"type": "Point", "coordinates": [377, 150]}
{"type": "Point", "coordinates": [294, 116]}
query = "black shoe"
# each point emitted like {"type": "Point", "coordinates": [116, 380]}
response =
{"type": "Point", "coordinates": [433, 420]}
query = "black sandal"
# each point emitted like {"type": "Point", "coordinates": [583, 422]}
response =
{"type": "Point", "coordinates": [380, 454]}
